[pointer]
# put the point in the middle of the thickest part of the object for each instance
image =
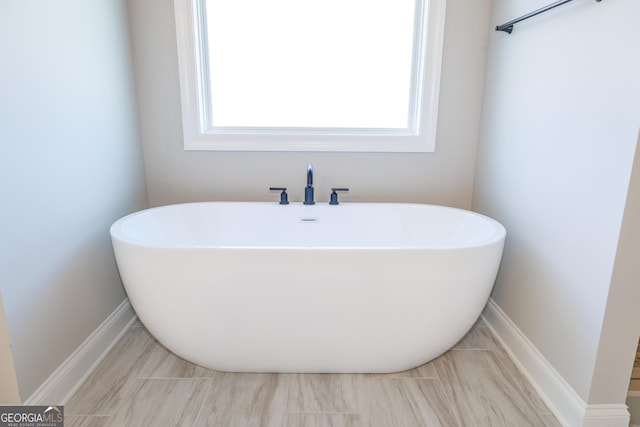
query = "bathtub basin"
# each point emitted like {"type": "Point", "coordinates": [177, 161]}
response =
{"type": "Point", "coordinates": [263, 287]}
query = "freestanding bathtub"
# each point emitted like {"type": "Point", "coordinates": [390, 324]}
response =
{"type": "Point", "coordinates": [263, 287]}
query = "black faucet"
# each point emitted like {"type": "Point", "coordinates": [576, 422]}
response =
{"type": "Point", "coordinates": [333, 200]}
{"type": "Point", "coordinates": [308, 190]}
{"type": "Point", "coordinates": [284, 198]}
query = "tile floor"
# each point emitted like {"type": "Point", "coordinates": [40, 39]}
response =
{"type": "Point", "coordinates": [140, 383]}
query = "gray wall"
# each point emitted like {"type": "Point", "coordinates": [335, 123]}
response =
{"type": "Point", "coordinates": [71, 164]}
{"type": "Point", "coordinates": [558, 136]}
{"type": "Point", "coordinates": [557, 141]}
{"type": "Point", "coordinates": [443, 177]}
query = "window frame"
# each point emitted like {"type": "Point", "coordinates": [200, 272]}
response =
{"type": "Point", "coordinates": [423, 111]}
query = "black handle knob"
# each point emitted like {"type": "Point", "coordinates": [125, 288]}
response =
{"type": "Point", "coordinates": [334, 195]}
{"type": "Point", "coordinates": [284, 199]}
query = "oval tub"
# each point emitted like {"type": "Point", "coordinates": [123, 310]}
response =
{"type": "Point", "coordinates": [263, 287]}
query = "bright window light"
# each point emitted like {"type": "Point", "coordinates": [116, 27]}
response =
{"type": "Point", "coordinates": [308, 64]}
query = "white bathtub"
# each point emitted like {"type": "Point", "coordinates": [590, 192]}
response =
{"type": "Point", "coordinates": [263, 287]}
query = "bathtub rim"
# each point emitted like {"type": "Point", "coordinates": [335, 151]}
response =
{"type": "Point", "coordinates": [117, 232]}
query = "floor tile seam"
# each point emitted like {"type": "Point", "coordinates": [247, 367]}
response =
{"type": "Point", "coordinates": [73, 414]}
{"type": "Point", "coordinates": [173, 378]}
{"type": "Point", "coordinates": [391, 377]}
{"type": "Point", "coordinates": [86, 416]}
{"type": "Point", "coordinates": [324, 413]}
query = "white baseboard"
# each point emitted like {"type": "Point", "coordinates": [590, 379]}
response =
{"type": "Point", "coordinates": [69, 376]}
{"type": "Point", "coordinates": [559, 396]}
{"type": "Point", "coordinates": [633, 402]}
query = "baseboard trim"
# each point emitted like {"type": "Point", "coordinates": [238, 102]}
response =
{"type": "Point", "coordinates": [70, 375]}
{"type": "Point", "coordinates": [633, 402]}
{"type": "Point", "coordinates": [568, 407]}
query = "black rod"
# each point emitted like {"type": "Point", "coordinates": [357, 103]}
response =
{"type": "Point", "coordinates": [508, 27]}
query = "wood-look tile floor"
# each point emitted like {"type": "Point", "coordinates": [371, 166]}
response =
{"type": "Point", "coordinates": [140, 384]}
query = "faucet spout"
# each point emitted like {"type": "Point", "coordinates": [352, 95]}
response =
{"type": "Point", "coordinates": [308, 190]}
{"type": "Point", "coordinates": [309, 174]}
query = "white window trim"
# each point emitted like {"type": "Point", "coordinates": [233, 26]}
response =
{"type": "Point", "coordinates": [422, 138]}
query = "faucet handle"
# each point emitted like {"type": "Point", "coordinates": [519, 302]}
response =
{"type": "Point", "coordinates": [284, 199]}
{"type": "Point", "coordinates": [334, 195]}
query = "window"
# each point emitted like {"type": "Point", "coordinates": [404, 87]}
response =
{"type": "Point", "coordinates": [302, 75]}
